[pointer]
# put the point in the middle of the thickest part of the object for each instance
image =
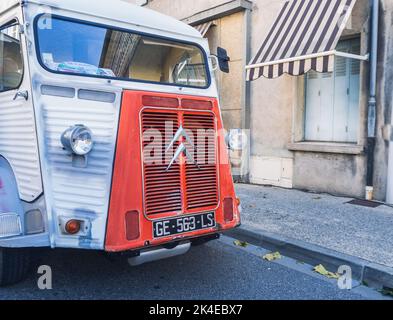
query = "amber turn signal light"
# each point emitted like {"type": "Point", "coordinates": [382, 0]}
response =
{"type": "Point", "coordinates": [73, 226]}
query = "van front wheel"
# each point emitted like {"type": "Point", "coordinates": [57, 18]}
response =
{"type": "Point", "coordinates": [14, 265]}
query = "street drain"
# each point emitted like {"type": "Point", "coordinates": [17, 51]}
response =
{"type": "Point", "coordinates": [365, 203]}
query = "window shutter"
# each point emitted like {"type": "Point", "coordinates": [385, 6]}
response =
{"type": "Point", "coordinates": [341, 67]}
{"type": "Point", "coordinates": [332, 99]}
{"type": "Point", "coordinates": [313, 106]}
{"type": "Point", "coordinates": [354, 88]}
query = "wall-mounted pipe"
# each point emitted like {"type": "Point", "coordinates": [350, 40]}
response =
{"type": "Point", "coordinates": [389, 195]}
{"type": "Point", "coordinates": [372, 102]}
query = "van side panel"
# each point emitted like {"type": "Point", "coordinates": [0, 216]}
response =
{"type": "Point", "coordinates": [18, 137]}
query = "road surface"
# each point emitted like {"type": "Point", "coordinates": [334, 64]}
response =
{"type": "Point", "coordinates": [217, 270]}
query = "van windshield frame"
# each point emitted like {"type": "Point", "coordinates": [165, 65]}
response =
{"type": "Point", "coordinates": [201, 69]}
{"type": "Point", "coordinates": [15, 23]}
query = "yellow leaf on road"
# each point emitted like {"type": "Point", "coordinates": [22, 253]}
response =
{"type": "Point", "coordinates": [240, 243]}
{"type": "Point", "coordinates": [387, 292]}
{"type": "Point", "coordinates": [322, 270]}
{"type": "Point", "coordinates": [272, 256]}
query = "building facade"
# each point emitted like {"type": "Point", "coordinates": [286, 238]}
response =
{"type": "Point", "coordinates": [307, 132]}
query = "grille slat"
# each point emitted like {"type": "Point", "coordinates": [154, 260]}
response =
{"type": "Point", "coordinates": [201, 184]}
{"type": "Point", "coordinates": [163, 190]}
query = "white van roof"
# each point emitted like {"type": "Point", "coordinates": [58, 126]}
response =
{"type": "Point", "coordinates": [118, 10]}
{"type": "Point", "coordinates": [6, 4]}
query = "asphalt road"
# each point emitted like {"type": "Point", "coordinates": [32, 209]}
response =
{"type": "Point", "coordinates": [218, 270]}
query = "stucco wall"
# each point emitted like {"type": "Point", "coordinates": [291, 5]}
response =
{"type": "Point", "coordinates": [228, 33]}
{"type": "Point", "coordinates": [272, 100]}
{"type": "Point", "coordinates": [181, 9]}
{"type": "Point", "coordinates": [331, 173]}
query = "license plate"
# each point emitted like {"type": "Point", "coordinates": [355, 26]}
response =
{"type": "Point", "coordinates": [170, 227]}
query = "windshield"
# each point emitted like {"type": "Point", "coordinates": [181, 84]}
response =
{"type": "Point", "coordinates": [80, 48]}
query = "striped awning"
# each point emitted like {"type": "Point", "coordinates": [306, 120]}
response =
{"type": "Point", "coordinates": [204, 27]}
{"type": "Point", "coordinates": [302, 38]}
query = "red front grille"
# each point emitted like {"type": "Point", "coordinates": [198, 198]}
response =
{"type": "Point", "coordinates": [163, 189]}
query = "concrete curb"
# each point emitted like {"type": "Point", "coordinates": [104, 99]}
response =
{"type": "Point", "coordinates": [369, 273]}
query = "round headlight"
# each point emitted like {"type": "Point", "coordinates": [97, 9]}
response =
{"type": "Point", "coordinates": [78, 139]}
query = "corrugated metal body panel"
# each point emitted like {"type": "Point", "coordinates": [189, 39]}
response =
{"type": "Point", "coordinates": [163, 192]}
{"type": "Point", "coordinates": [73, 191]}
{"type": "Point", "coordinates": [18, 144]}
{"type": "Point", "coordinates": [202, 182]}
{"type": "Point", "coordinates": [7, 4]}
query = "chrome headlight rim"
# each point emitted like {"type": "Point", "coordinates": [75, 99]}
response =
{"type": "Point", "coordinates": [72, 135]}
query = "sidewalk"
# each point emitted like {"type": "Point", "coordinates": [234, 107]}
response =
{"type": "Point", "coordinates": [319, 221]}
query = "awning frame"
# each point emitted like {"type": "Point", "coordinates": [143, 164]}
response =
{"type": "Point", "coordinates": [204, 28]}
{"type": "Point", "coordinates": [311, 56]}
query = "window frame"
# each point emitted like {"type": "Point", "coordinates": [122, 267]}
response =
{"type": "Point", "coordinates": [101, 25]}
{"type": "Point", "coordinates": [10, 23]}
{"type": "Point", "coordinates": [305, 88]}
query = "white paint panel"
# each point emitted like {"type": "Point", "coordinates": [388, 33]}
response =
{"type": "Point", "coordinates": [287, 169]}
{"type": "Point", "coordinates": [76, 192]}
{"type": "Point", "coordinates": [271, 171]}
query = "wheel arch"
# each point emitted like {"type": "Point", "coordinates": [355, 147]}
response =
{"type": "Point", "coordinates": [10, 202]}
{"type": "Point", "coordinates": [9, 190]}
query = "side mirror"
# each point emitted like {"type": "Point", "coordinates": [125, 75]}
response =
{"type": "Point", "coordinates": [223, 59]}
{"type": "Point", "coordinates": [236, 140]}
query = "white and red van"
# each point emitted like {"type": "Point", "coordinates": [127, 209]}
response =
{"type": "Point", "coordinates": [111, 136]}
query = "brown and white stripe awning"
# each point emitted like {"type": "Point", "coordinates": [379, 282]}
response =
{"type": "Point", "coordinates": [302, 38]}
{"type": "Point", "coordinates": [204, 27]}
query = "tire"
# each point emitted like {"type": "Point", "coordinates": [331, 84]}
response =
{"type": "Point", "coordinates": [14, 265]}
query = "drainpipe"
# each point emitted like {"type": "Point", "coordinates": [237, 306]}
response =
{"type": "Point", "coordinates": [389, 196]}
{"type": "Point", "coordinates": [246, 98]}
{"type": "Point", "coordinates": [372, 103]}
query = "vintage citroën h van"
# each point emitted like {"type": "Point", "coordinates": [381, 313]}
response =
{"type": "Point", "coordinates": [111, 136]}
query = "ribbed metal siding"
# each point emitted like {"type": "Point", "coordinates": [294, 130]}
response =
{"type": "Point", "coordinates": [164, 192]}
{"type": "Point", "coordinates": [18, 144]}
{"type": "Point", "coordinates": [162, 188]}
{"type": "Point", "coordinates": [201, 184]}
